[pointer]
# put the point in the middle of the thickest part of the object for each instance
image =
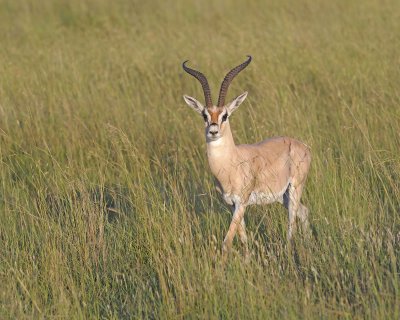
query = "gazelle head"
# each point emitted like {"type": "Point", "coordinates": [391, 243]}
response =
{"type": "Point", "coordinates": [215, 116]}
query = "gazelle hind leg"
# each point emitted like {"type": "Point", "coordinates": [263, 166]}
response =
{"type": "Point", "coordinates": [295, 208]}
{"type": "Point", "coordinates": [299, 168]}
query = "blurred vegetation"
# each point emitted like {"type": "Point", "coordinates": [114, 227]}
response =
{"type": "Point", "coordinates": [107, 206]}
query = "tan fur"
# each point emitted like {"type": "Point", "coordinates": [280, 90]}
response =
{"type": "Point", "coordinates": [274, 170]}
{"type": "Point", "coordinates": [273, 167]}
{"type": "Point", "coordinates": [214, 115]}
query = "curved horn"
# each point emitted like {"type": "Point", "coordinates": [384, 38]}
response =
{"type": "Point", "coordinates": [228, 79]}
{"type": "Point", "coordinates": [204, 83]}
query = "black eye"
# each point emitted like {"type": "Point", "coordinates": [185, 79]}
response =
{"type": "Point", "coordinates": [205, 117]}
{"type": "Point", "coordinates": [224, 117]}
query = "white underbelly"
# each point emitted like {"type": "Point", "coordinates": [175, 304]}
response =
{"type": "Point", "coordinates": [257, 197]}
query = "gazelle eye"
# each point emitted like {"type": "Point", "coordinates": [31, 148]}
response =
{"type": "Point", "coordinates": [224, 117]}
{"type": "Point", "coordinates": [205, 117]}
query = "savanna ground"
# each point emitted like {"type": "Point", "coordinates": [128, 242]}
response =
{"type": "Point", "coordinates": [107, 206]}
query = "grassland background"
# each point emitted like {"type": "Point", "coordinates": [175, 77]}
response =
{"type": "Point", "coordinates": [107, 206]}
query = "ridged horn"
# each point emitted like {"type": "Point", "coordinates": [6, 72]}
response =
{"type": "Point", "coordinates": [203, 80]}
{"type": "Point", "coordinates": [228, 79]}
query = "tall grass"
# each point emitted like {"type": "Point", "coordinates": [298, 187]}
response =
{"type": "Point", "coordinates": [107, 206]}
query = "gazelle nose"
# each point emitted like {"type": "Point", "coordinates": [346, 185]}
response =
{"type": "Point", "coordinates": [213, 129]}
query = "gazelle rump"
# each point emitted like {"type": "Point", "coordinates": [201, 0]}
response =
{"type": "Point", "coordinates": [274, 170]}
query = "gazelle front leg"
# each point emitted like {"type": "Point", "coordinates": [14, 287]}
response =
{"type": "Point", "coordinates": [237, 218]}
{"type": "Point", "coordinates": [243, 239]}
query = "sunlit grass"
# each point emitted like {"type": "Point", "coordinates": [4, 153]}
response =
{"type": "Point", "coordinates": [107, 206]}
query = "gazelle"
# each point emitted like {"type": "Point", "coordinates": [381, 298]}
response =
{"type": "Point", "coordinates": [273, 170]}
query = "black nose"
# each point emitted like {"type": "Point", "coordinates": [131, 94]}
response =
{"type": "Point", "coordinates": [213, 128]}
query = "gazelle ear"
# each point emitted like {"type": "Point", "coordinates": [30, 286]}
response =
{"type": "Point", "coordinates": [194, 104]}
{"type": "Point", "coordinates": [236, 102]}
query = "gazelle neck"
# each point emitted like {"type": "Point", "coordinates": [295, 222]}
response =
{"type": "Point", "coordinates": [221, 152]}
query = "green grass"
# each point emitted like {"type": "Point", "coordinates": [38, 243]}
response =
{"type": "Point", "coordinates": [107, 205]}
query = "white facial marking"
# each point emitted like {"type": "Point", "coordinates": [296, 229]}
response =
{"type": "Point", "coordinates": [206, 117]}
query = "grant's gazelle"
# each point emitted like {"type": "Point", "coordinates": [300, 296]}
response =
{"type": "Point", "coordinates": [273, 170]}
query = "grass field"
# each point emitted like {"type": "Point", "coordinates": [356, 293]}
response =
{"type": "Point", "coordinates": [107, 205]}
